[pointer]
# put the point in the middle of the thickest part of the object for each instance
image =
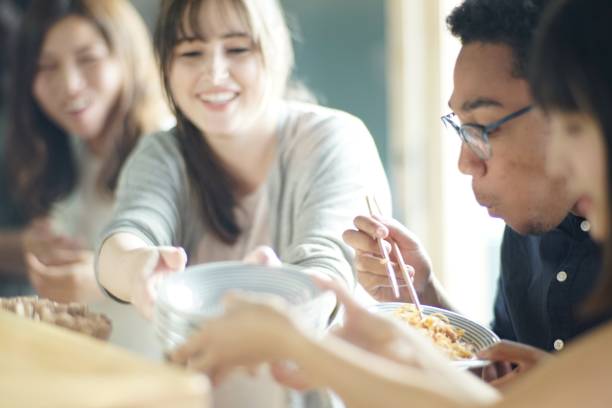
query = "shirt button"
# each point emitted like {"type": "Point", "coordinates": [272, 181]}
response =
{"type": "Point", "coordinates": [558, 344]}
{"type": "Point", "coordinates": [562, 276]}
{"type": "Point", "coordinates": [585, 226]}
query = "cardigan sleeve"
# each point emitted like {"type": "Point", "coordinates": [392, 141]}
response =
{"type": "Point", "coordinates": [334, 165]}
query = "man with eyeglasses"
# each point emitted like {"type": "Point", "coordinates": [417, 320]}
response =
{"type": "Point", "coordinates": [548, 261]}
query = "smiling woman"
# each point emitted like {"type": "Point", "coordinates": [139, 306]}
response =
{"type": "Point", "coordinates": [84, 90]}
{"type": "Point", "coordinates": [246, 165]}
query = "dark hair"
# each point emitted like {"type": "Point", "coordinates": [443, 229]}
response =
{"type": "Point", "coordinates": [571, 71]}
{"type": "Point", "coordinates": [39, 152]}
{"type": "Point", "coordinates": [213, 185]}
{"type": "Point", "coordinates": [505, 22]}
{"type": "Point", "coordinates": [9, 21]}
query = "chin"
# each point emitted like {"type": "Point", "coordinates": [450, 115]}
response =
{"type": "Point", "coordinates": [533, 226]}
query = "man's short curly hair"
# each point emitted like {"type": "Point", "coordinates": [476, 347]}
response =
{"type": "Point", "coordinates": [508, 22]}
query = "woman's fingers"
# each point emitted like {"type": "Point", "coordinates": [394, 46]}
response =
{"type": "Point", "coordinates": [171, 259]}
{"type": "Point", "coordinates": [263, 255]}
{"type": "Point", "coordinates": [361, 242]}
{"type": "Point", "coordinates": [371, 226]}
{"type": "Point", "coordinates": [203, 362]}
{"type": "Point", "coordinates": [153, 263]}
{"type": "Point", "coordinates": [290, 376]}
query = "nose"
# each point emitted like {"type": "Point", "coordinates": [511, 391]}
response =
{"type": "Point", "coordinates": [469, 162]}
{"type": "Point", "coordinates": [71, 80]}
{"type": "Point", "coordinates": [217, 67]}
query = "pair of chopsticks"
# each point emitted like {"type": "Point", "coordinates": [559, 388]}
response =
{"type": "Point", "coordinates": [400, 261]}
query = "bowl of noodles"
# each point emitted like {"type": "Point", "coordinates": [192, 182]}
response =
{"type": "Point", "coordinates": [455, 335]}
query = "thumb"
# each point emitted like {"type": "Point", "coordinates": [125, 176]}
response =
{"type": "Point", "coordinates": [172, 259]}
{"type": "Point", "coordinates": [291, 377]}
{"type": "Point", "coordinates": [511, 352]}
{"type": "Point", "coordinates": [263, 255]}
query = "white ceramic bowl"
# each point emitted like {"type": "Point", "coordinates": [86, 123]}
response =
{"type": "Point", "coordinates": [188, 298]}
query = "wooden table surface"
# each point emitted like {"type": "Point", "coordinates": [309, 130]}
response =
{"type": "Point", "coordinates": [46, 366]}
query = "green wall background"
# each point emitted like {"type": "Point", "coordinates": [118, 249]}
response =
{"type": "Point", "coordinates": [340, 56]}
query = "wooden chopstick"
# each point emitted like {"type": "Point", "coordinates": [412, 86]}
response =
{"type": "Point", "coordinates": [385, 255]}
{"type": "Point", "coordinates": [400, 260]}
{"type": "Point", "coordinates": [406, 275]}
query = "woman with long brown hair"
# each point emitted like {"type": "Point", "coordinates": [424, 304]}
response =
{"type": "Point", "coordinates": [246, 165]}
{"type": "Point", "coordinates": [84, 89]}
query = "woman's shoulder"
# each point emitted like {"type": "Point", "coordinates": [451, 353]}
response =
{"type": "Point", "coordinates": [159, 138]}
{"type": "Point", "coordinates": [157, 149]}
{"type": "Point", "coordinates": [307, 124]}
{"type": "Point", "coordinates": [309, 115]}
{"type": "Point", "coordinates": [163, 142]}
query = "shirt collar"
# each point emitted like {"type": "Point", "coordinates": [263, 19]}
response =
{"type": "Point", "coordinates": [576, 227]}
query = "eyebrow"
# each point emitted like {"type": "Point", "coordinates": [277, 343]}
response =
{"type": "Point", "coordinates": [85, 48]}
{"type": "Point", "coordinates": [81, 50]}
{"type": "Point", "coordinates": [232, 34]}
{"type": "Point", "coordinates": [477, 103]}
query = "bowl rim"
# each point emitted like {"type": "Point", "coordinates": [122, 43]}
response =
{"type": "Point", "coordinates": [161, 302]}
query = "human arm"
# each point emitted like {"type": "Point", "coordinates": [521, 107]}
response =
{"type": "Point", "coordinates": [145, 236]}
{"type": "Point", "coordinates": [140, 266]}
{"type": "Point", "coordinates": [371, 362]}
{"type": "Point", "coordinates": [330, 168]}
{"type": "Point", "coordinates": [577, 377]}
{"type": "Point", "coordinates": [372, 271]}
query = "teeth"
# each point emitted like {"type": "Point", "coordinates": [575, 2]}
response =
{"type": "Point", "coordinates": [77, 105]}
{"type": "Point", "coordinates": [220, 97]}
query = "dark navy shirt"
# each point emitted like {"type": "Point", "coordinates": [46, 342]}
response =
{"type": "Point", "coordinates": [543, 281]}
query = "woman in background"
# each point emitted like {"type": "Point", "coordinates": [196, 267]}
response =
{"type": "Point", "coordinates": [373, 361]}
{"type": "Point", "coordinates": [84, 89]}
{"type": "Point", "coordinates": [245, 166]}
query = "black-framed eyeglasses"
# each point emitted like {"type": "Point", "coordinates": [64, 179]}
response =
{"type": "Point", "coordinates": [477, 136]}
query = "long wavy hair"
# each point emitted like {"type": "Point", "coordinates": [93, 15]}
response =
{"type": "Point", "coordinates": [571, 71]}
{"type": "Point", "coordinates": [213, 185]}
{"type": "Point", "coordinates": [41, 161]}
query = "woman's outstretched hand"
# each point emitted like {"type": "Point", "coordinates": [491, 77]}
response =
{"type": "Point", "coordinates": [150, 265]}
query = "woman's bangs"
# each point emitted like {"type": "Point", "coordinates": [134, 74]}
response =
{"type": "Point", "coordinates": [223, 14]}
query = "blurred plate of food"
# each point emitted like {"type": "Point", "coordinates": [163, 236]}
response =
{"type": "Point", "coordinates": [72, 316]}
